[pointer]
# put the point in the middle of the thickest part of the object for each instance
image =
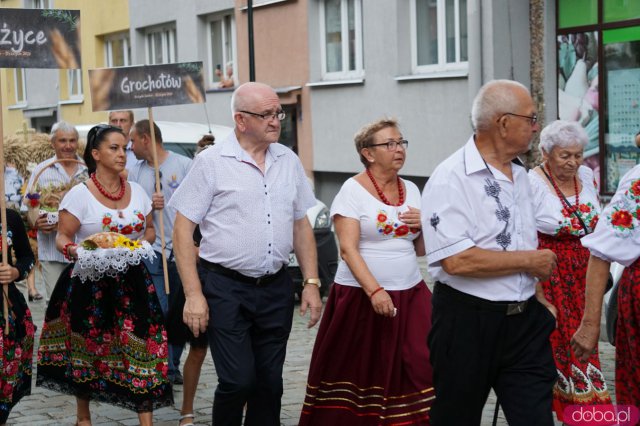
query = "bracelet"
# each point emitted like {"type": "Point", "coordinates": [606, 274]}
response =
{"type": "Point", "coordinates": [65, 250]}
{"type": "Point", "coordinates": [375, 291]}
{"type": "Point", "coordinates": [312, 281]}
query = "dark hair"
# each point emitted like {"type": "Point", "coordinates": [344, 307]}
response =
{"type": "Point", "coordinates": [143, 127]}
{"type": "Point", "coordinates": [96, 135]}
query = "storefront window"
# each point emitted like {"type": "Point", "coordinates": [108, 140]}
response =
{"type": "Point", "coordinates": [578, 88]}
{"type": "Point", "coordinates": [622, 118]}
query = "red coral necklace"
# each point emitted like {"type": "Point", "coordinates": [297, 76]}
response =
{"type": "Point", "coordinates": [563, 200]}
{"type": "Point", "coordinates": [115, 197]}
{"type": "Point", "coordinates": [381, 194]}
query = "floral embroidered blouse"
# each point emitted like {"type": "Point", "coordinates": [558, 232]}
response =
{"type": "Point", "coordinates": [617, 236]}
{"type": "Point", "coordinates": [552, 218]}
{"type": "Point", "coordinates": [386, 243]}
{"type": "Point", "coordinates": [95, 217]}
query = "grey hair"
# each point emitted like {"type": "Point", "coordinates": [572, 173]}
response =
{"type": "Point", "coordinates": [494, 98]}
{"type": "Point", "coordinates": [64, 127]}
{"type": "Point", "coordinates": [562, 134]}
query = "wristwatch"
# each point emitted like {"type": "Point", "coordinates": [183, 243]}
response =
{"type": "Point", "coordinates": [312, 281]}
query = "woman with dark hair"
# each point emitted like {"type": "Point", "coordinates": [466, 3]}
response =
{"type": "Point", "coordinates": [17, 345]}
{"type": "Point", "coordinates": [104, 337]}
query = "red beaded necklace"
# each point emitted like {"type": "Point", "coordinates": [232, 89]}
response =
{"type": "Point", "coordinates": [103, 190]}
{"type": "Point", "coordinates": [381, 194]}
{"type": "Point", "coordinates": [563, 200]}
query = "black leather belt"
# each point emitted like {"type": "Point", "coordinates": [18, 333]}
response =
{"type": "Point", "coordinates": [507, 308]}
{"type": "Point", "coordinates": [237, 276]}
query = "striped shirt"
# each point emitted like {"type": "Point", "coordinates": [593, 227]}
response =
{"type": "Point", "coordinates": [54, 175]}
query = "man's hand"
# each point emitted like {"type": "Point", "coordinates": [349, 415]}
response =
{"type": "Point", "coordinates": [157, 201]}
{"type": "Point", "coordinates": [196, 314]}
{"type": "Point", "coordinates": [542, 263]}
{"type": "Point", "coordinates": [310, 298]}
{"type": "Point", "coordinates": [43, 225]}
{"type": "Point", "coordinates": [585, 339]}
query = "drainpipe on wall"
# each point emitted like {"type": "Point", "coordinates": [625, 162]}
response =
{"type": "Point", "coordinates": [252, 65]}
{"type": "Point", "coordinates": [476, 69]}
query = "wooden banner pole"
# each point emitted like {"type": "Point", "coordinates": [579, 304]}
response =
{"type": "Point", "coordinates": [3, 219]}
{"type": "Point", "coordinates": [156, 167]}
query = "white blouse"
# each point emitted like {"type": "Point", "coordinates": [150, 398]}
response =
{"type": "Point", "coordinates": [552, 218]}
{"type": "Point", "coordinates": [386, 243]}
{"type": "Point", "coordinates": [95, 217]}
{"type": "Point", "coordinates": [617, 236]}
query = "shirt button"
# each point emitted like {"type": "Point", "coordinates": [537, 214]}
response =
{"type": "Point", "coordinates": [269, 251]}
{"type": "Point", "coordinates": [269, 244]}
{"type": "Point", "coordinates": [269, 222]}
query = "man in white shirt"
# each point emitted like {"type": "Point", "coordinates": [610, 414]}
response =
{"type": "Point", "coordinates": [250, 196]}
{"type": "Point", "coordinates": [491, 323]}
{"type": "Point", "coordinates": [64, 140]}
{"type": "Point", "coordinates": [124, 120]}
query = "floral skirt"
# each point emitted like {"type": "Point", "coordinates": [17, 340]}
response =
{"type": "Point", "coordinates": [578, 382]}
{"type": "Point", "coordinates": [367, 369]}
{"type": "Point", "coordinates": [628, 337]}
{"type": "Point", "coordinates": [16, 352]}
{"type": "Point", "coordinates": [105, 340]}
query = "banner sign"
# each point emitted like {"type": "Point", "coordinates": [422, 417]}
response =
{"type": "Point", "coordinates": [146, 86]}
{"type": "Point", "coordinates": [39, 38]}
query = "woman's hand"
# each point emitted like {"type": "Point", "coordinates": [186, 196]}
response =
{"type": "Point", "coordinates": [412, 218]}
{"type": "Point", "coordinates": [8, 274]}
{"type": "Point", "coordinates": [382, 304]}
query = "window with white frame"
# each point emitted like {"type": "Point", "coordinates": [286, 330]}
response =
{"type": "Point", "coordinates": [439, 35]}
{"type": "Point", "coordinates": [41, 4]}
{"type": "Point", "coordinates": [74, 84]}
{"type": "Point", "coordinates": [161, 45]}
{"type": "Point", "coordinates": [117, 50]}
{"type": "Point", "coordinates": [20, 85]}
{"type": "Point", "coordinates": [341, 38]}
{"type": "Point", "coordinates": [221, 36]}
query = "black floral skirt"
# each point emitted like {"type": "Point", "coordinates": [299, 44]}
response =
{"type": "Point", "coordinates": [105, 340]}
{"type": "Point", "coordinates": [16, 352]}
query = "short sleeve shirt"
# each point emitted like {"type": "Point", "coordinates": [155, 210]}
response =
{"type": "Point", "coordinates": [617, 236]}
{"type": "Point", "coordinates": [246, 217]}
{"type": "Point", "coordinates": [467, 203]}
{"type": "Point", "coordinates": [386, 243]}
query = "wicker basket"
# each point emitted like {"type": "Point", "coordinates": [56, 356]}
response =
{"type": "Point", "coordinates": [50, 198]}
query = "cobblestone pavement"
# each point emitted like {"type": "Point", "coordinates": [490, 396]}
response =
{"type": "Point", "coordinates": [46, 407]}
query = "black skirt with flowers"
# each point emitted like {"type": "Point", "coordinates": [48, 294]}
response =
{"type": "Point", "coordinates": [105, 340]}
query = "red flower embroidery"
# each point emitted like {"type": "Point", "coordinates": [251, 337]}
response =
{"type": "Point", "coordinates": [585, 208]}
{"type": "Point", "coordinates": [402, 230]}
{"type": "Point", "coordinates": [382, 217]}
{"type": "Point", "coordinates": [565, 213]}
{"type": "Point", "coordinates": [126, 230]}
{"type": "Point", "coordinates": [593, 222]}
{"type": "Point", "coordinates": [140, 216]}
{"type": "Point", "coordinates": [635, 187]}
{"type": "Point", "coordinates": [106, 221]}
{"type": "Point", "coordinates": [575, 223]}
{"type": "Point", "coordinates": [621, 218]}
{"type": "Point", "coordinates": [138, 227]}
{"type": "Point", "coordinates": [387, 229]}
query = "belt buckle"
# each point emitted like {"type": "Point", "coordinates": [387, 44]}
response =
{"type": "Point", "coordinates": [516, 308]}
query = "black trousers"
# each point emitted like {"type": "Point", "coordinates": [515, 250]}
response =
{"type": "Point", "coordinates": [475, 347]}
{"type": "Point", "coordinates": [248, 330]}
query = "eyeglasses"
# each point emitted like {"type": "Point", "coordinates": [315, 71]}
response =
{"type": "Point", "coordinates": [280, 115]}
{"type": "Point", "coordinates": [393, 145]}
{"type": "Point", "coordinates": [533, 119]}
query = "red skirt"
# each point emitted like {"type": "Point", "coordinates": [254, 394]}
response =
{"type": "Point", "coordinates": [579, 383]}
{"type": "Point", "coordinates": [367, 369]}
{"type": "Point", "coordinates": [628, 337]}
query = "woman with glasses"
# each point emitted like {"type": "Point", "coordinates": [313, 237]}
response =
{"type": "Point", "coordinates": [104, 338]}
{"type": "Point", "coordinates": [16, 341]}
{"type": "Point", "coordinates": [567, 208]}
{"type": "Point", "coordinates": [370, 363]}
